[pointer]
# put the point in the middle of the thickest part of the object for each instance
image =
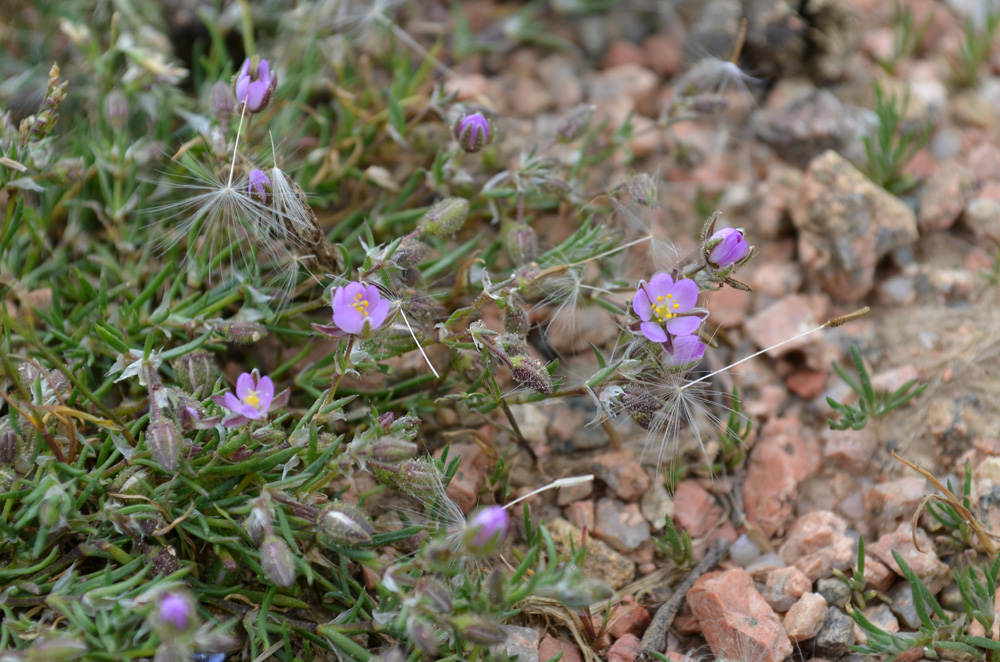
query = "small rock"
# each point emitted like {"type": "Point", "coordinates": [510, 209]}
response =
{"type": "Point", "coordinates": [774, 198]}
{"type": "Point", "coordinates": [809, 122]}
{"type": "Point", "coordinates": [895, 501]}
{"type": "Point", "coordinates": [733, 614]}
{"type": "Point", "coordinates": [602, 562]}
{"type": "Point", "coordinates": [631, 81]}
{"type": "Point", "coordinates": [465, 488]}
{"type": "Point", "coordinates": [532, 422]}
{"type": "Point", "coordinates": [846, 225]}
{"type": "Point", "coordinates": [784, 587]}
{"type": "Point", "coordinates": [901, 604]}
{"type": "Point", "coordinates": [806, 384]}
{"type": "Point", "coordinates": [878, 575]}
{"type": "Point", "coordinates": [943, 197]}
{"type": "Point", "coordinates": [892, 379]}
{"type": "Point", "coordinates": [624, 650]}
{"type": "Point", "coordinates": [925, 564]}
{"type": "Point", "coordinates": [806, 617]}
{"type": "Point", "coordinates": [897, 290]}
{"type": "Point", "coordinates": [572, 493]}
{"type": "Point", "coordinates": [656, 506]}
{"type": "Point", "coordinates": [834, 591]}
{"type": "Point", "coordinates": [782, 320]}
{"type": "Point", "coordinates": [665, 52]}
{"type": "Point", "coordinates": [776, 279]}
{"type": "Point", "coordinates": [582, 514]}
{"type": "Point", "coordinates": [629, 618]}
{"type": "Point", "coordinates": [696, 511]}
{"type": "Point", "coordinates": [521, 642]}
{"type": "Point", "coordinates": [528, 98]}
{"type": "Point", "coordinates": [836, 635]}
{"type": "Point", "coordinates": [765, 565]}
{"type": "Point", "coordinates": [551, 646]}
{"type": "Point", "coordinates": [558, 73]}
{"type": "Point", "coordinates": [817, 543]}
{"type": "Point", "coordinates": [622, 51]}
{"type": "Point", "coordinates": [879, 615]}
{"type": "Point", "coordinates": [849, 449]}
{"type": "Point", "coordinates": [983, 161]}
{"type": "Point", "coordinates": [743, 552]}
{"type": "Point", "coordinates": [621, 472]}
{"type": "Point", "coordinates": [971, 108]}
{"type": "Point", "coordinates": [982, 217]}
{"type": "Point", "coordinates": [620, 525]}
{"type": "Point", "coordinates": [784, 455]}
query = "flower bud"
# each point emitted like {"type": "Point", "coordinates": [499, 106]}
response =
{"type": "Point", "coordinates": [254, 84]}
{"type": "Point", "coordinates": [244, 333]}
{"type": "Point", "coordinates": [521, 243]}
{"type": "Point", "coordinates": [56, 648]}
{"type": "Point", "coordinates": [515, 318]}
{"type": "Point", "coordinates": [268, 435]}
{"type": "Point", "coordinates": [473, 131]}
{"type": "Point", "coordinates": [512, 345]}
{"type": "Point", "coordinates": [530, 372]}
{"type": "Point", "coordinates": [445, 217]}
{"type": "Point", "coordinates": [410, 252]}
{"type": "Point", "coordinates": [176, 612]}
{"type": "Point", "coordinates": [495, 586]}
{"type": "Point", "coordinates": [221, 100]}
{"type": "Point", "coordinates": [277, 561]}
{"type": "Point", "coordinates": [485, 531]}
{"type": "Point", "coordinates": [258, 523]}
{"type": "Point", "coordinates": [575, 122]}
{"type": "Point", "coordinates": [344, 524]}
{"type": "Point", "coordinates": [642, 189]}
{"type": "Point", "coordinates": [435, 594]}
{"type": "Point", "coordinates": [116, 108]}
{"type": "Point", "coordinates": [418, 477]}
{"type": "Point", "coordinates": [726, 248]}
{"type": "Point", "coordinates": [8, 445]}
{"type": "Point", "coordinates": [55, 506]}
{"type": "Point", "coordinates": [479, 629]}
{"type": "Point", "coordinates": [392, 449]}
{"type": "Point", "coordinates": [640, 405]}
{"type": "Point", "coordinates": [165, 444]}
{"type": "Point", "coordinates": [259, 186]}
{"type": "Point", "coordinates": [422, 634]}
{"type": "Point", "coordinates": [195, 372]}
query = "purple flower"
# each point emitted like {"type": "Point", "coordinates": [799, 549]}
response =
{"type": "Point", "coordinates": [726, 248]}
{"type": "Point", "coordinates": [254, 398]}
{"type": "Point", "coordinates": [667, 308]}
{"type": "Point", "coordinates": [357, 311]}
{"type": "Point", "coordinates": [687, 352]}
{"type": "Point", "coordinates": [473, 131]}
{"type": "Point", "coordinates": [176, 611]}
{"type": "Point", "coordinates": [259, 184]}
{"type": "Point", "coordinates": [254, 84]}
{"type": "Point", "coordinates": [486, 530]}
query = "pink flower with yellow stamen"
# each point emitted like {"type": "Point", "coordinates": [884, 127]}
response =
{"type": "Point", "coordinates": [667, 308]}
{"type": "Point", "coordinates": [253, 400]}
{"type": "Point", "coordinates": [358, 310]}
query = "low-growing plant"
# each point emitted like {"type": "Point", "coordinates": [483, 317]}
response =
{"type": "Point", "coordinates": [975, 50]}
{"type": "Point", "coordinates": [894, 144]}
{"type": "Point", "coordinates": [871, 405]}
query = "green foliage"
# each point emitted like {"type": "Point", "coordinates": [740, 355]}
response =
{"type": "Point", "coordinates": [894, 143]}
{"type": "Point", "coordinates": [906, 36]}
{"type": "Point", "coordinates": [871, 405]}
{"type": "Point", "coordinates": [962, 533]}
{"type": "Point", "coordinates": [857, 582]}
{"type": "Point", "coordinates": [675, 545]}
{"type": "Point", "coordinates": [974, 51]}
{"type": "Point", "coordinates": [939, 633]}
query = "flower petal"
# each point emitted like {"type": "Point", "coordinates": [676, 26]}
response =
{"type": "Point", "coordinates": [683, 326]}
{"type": "Point", "coordinates": [264, 72]}
{"type": "Point", "coordinates": [640, 304]}
{"type": "Point", "coordinates": [653, 331]}
{"type": "Point", "coordinates": [265, 394]}
{"type": "Point", "coordinates": [377, 315]}
{"type": "Point", "coordinates": [687, 349]}
{"type": "Point", "coordinates": [242, 85]}
{"type": "Point", "coordinates": [685, 293]}
{"type": "Point", "coordinates": [232, 402]}
{"type": "Point", "coordinates": [660, 285]}
{"type": "Point", "coordinates": [244, 384]}
{"type": "Point", "coordinates": [348, 319]}
{"type": "Point", "coordinates": [255, 95]}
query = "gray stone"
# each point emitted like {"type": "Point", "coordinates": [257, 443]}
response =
{"type": "Point", "coordinates": [743, 552]}
{"type": "Point", "coordinates": [901, 604]}
{"type": "Point", "coordinates": [836, 635]}
{"type": "Point", "coordinates": [620, 525]}
{"type": "Point", "coordinates": [834, 591]}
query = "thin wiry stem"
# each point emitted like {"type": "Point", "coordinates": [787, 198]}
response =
{"type": "Point", "coordinates": [236, 145]}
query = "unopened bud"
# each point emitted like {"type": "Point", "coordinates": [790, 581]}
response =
{"type": "Point", "coordinates": [391, 449]}
{"type": "Point", "coordinates": [530, 372]}
{"type": "Point", "coordinates": [258, 523]}
{"type": "Point", "coordinates": [196, 372]}
{"type": "Point", "coordinates": [418, 477]}
{"type": "Point", "coordinates": [515, 318]}
{"type": "Point", "coordinates": [640, 405]}
{"type": "Point", "coordinates": [445, 217]}
{"type": "Point", "coordinates": [245, 333]}
{"type": "Point", "coordinates": [486, 530]}
{"type": "Point", "coordinates": [423, 635]}
{"type": "Point", "coordinates": [221, 100]}
{"type": "Point", "coordinates": [575, 122]}
{"type": "Point", "coordinates": [495, 586]}
{"type": "Point", "coordinates": [344, 523]}
{"type": "Point", "coordinates": [268, 435]}
{"type": "Point", "coordinates": [521, 243]}
{"type": "Point", "coordinates": [8, 445]}
{"type": "Point", "coordinates": [116, 108]}
{"type": "Point", "coordinates": [479, 629]}
{"type": "Point", "coordinates": [55, 506]}
{"type": "Point", "coordinates": [56, 649]}
{"type": "Point", "coordinates": [642, 189]}
{"type": "Point", "coordinates": [409, 253]}
{"type": "Point", "coordinates": [473, 131]}
{"type": "Point", "coordinates": [175, 612]}
{"type": "Point", "coordinates": [435, 594]}
{"type": "Point", "coordinates": [165, 444]}
{"type": "Point", "coordinates": [277, 561]}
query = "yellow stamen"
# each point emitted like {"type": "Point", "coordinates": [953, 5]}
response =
{"type": "Point", "coordinates": [360, 304]}
{"type": "Point", "coordinates": [252, 399]}
{"type": "Point", "coordinates": [664, 307]}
